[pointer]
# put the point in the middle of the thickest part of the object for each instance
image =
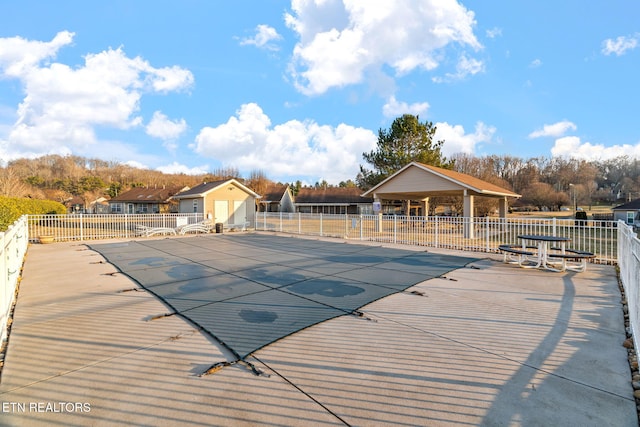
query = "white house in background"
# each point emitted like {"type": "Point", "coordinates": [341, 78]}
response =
{"type": "Point", "coordinates": [629, 213]}
{"type": "Point", "coordinates": [227, 202]}
{"type": "Point", "coordinates": [277, 198]}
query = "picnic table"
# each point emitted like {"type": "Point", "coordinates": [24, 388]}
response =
{"type": "Point", "coordinates": [536, 252]}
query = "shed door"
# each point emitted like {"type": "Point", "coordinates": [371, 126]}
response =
{"type": "Point", "coordinates": [239, 211]}
{"type": "Point", "coordinates": [221, 209]}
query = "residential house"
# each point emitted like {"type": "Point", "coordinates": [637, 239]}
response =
{"type": "Point", "coordinates": [226, 201]}
{"type": "Point", "coordinates": [141, 200]}
{"type": "Point", "coordinates": [99, 206]}
{"type": "Point", "coordinates": [277, 198]}
{"type": "Point", "coordinates": [75, 205]}
{"type": "Point", "coordinates": [333, 200]}
{"type": "Point", "coordinates": [629, 213]}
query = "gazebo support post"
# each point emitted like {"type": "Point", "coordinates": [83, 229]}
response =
{"type": "Point", "coordinates": [467, 213]}
{"type": "Point", "coordinates": [378, 201]}
{"type": "Point", "coordinates": [502, 207]}
{"type": "Point", "coordinates": [424, 204]}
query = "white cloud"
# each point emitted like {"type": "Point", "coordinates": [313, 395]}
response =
{"type": "Point", "coordinates": [176, 168]}
{"type": "Point", "coordinates": [19, 56]}
{"type": "Point", "coordinates": [162, 127]}
{"type": "Point", "coordinates": [535, 63]}
{"type": "Point", "coordinates": [457, 141]}
{"type": "Point", "coordinates": [291, 150]}
{"type": "Point", "coordinates": [264, 37]}
{"type": "Point", "coordinates": [393, 108]}
{"type": "Point", "coordinates": [620, 45]}
{"type": "Point", "coordinates": [168, 79]}
{"type": "Point", "coordinates": [465, 67]}
{"type": "Point", "coordinates": [63, 105]}
{"type": "Point", "coordinates": [341, 41]}
{"type": "Point", "coordinates": [136, 164]}
{"type": "Point", "coordinates": [494, 32]}
{"type": "Point", "coordinates": [554, 130]}
{"type": "Point", "coordinates": [572, 147]}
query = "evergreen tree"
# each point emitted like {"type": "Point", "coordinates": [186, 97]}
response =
{"type": "Point", "coordinates": [407, 140]}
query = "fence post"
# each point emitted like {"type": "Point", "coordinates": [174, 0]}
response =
{"type": "Point", "coordinates": [321, 224]}
{"type": "Point", "coordinates": [361, 218]}
{"type": "Point", "coordinates": [436, 231]}
{"type": "Point", "coordinates": [346, 225]}
{"type": "Point", "coordinates": [14, 242]}
{"type": "Point", "coordinates": [6, 291]}
{"type": "Point", "coordinates": [486, 233]}
{"type": "Point", "coordinates": [395, 229]}
{"type": "Point", "coordinates": [281, 222]}
{"type": "Point", "coordinates": [81, 227]}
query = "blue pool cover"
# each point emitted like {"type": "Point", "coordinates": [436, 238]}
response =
{"type": "Point", "coordinates": [249, 290]}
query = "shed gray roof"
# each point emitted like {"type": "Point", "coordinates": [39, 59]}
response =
{"type": "Point", "coordinates": [633, 205]}
{"type": "Point", "coordinates": [201, 189]}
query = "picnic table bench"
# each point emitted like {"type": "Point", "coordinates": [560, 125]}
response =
{"type": "Point", "coordinates": [541, 256]}
{"type": "Point", "coordinates": [521, 255]}
{"type": "Point", "coordinates": [571, 259]}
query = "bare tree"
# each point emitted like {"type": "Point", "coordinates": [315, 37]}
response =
{"type": "Point", "coordinates": [11, 185]}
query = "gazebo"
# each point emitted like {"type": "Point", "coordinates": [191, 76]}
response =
{"type": "Point", "coordinates": [418, 182]}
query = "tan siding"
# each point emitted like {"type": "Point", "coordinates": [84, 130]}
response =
{"type": "Point", "coordinates": [415, 179]}
{"type": "Point", "coordinates": [230, 193]}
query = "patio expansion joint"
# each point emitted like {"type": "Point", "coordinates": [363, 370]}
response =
{"type": "Point", "coordinates": [306, 394]}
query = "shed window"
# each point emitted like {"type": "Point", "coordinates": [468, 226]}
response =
{"type": "Point", "coordinates": [195, 206]}
{"type": "Point", "coordinates": [630, 217]}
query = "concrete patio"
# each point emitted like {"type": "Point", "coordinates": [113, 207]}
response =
{"type": "Point", "coordinates": [488, 344]}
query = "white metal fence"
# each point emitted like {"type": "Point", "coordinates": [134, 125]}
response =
{"type": "Point", "coordinates": [102, 226]}
{"type": "Point", "coordinates": [612, 242]}
{"type": "Point", "coordinates": [629, 264]}
{"type": "Point", "coordinates": [14, 243]}
{"type": "Point", "coordinates": [465, 234]}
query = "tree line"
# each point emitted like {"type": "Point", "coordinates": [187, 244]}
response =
{"type": "Point", "coordinates": [543, 182]}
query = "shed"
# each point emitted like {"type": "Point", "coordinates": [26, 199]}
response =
{"type": "Point", "coordinates": [226, 201]}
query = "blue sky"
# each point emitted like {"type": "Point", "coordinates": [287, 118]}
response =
{"type": "Point", "coordinates": [298, 89]}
